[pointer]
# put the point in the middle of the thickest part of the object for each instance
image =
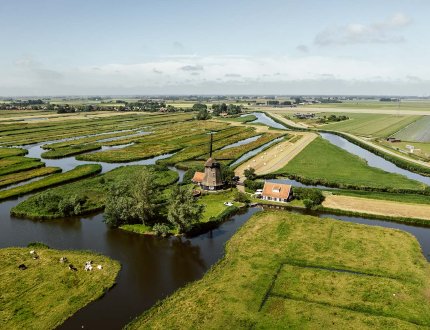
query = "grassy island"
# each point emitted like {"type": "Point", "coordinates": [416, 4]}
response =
{"type": "Point", "coordinates": [47, 292]}
{"type": "Point", "coordinates": [287, 270]}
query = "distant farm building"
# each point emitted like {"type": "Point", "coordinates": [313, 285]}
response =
{"type": "Point", "coordinates": [393, 140]}
{"type": "Point", "coordinates": [304, 115]}
{"type": "Point", "coordinates": [277, 192]}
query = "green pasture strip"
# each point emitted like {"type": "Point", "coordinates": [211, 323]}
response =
{"type": "Point", "coordinates": [9, 179]}
{"type": "Point", "coordinates": [17, 164]}
{"type": "Point", "coordinates": [79, 172]}
{"type": "Point", "coordinates": [237, 152]}
{"type": "Point", "coordinates": [325, 164]}
{"type": "Point", "coordinates": [9, 152]}
{"type": "Point", "coordinates": [70, 151]}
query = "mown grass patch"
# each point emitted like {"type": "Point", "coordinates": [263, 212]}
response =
{"type": "Point", "coordinates": [79, 172]}
{"type": "Point", "coordinates": [376, 125]}
{"type": "Point", "coordinates": [323, 163]}
{"type": "Point", "coordinates": [47, 293]}
{"type": "Point", "coordinates": [289, 270]}
{"type": "Point", "coordinates": [214, 204]}
{"type": "Point", "coordinates": [402, 198]}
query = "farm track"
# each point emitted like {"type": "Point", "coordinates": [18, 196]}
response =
{"type": "Point", "coordinates": [277, 156]}
{"type": "Point", "coordinates": [378, 207]}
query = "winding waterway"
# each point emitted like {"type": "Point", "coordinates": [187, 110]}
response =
{"type": "Point", "coordinates": [152, 268]}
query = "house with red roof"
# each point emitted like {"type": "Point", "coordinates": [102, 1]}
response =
{"type": "Point", "coordinates": [277, 192]}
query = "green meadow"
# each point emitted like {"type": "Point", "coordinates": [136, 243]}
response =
{"type": "Point", "coordinates": [47, 293]}
{"type": "Point", "coordinates": [373, 125]}
{"type": "Point", "coordinates": [285, 269]}
{"type": "Point", "coordinates": [326, 164]}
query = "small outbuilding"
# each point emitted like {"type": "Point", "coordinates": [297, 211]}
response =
{"type": "Point", "coordinates": [277, 192]}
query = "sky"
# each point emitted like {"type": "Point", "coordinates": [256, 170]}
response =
{"type": "Point", "coordinates": [153, 47]}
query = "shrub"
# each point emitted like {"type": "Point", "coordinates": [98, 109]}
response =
{"type": "Point", "coordinates": [161, 229]}
{"type": "Point", "coordinates": [241, 197]}
{"type": "Point", "coordinates": [311, 197]}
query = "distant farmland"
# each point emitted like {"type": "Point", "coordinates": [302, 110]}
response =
{"type": "Point", "coordinates": [377, 125]}
{"type": "Point", "coordinates": [418, 131]}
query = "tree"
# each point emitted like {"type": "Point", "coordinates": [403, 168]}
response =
{"type": "Point", "coordinates": [119, 205]}
{"type": "Point", "coordinates": [241, 197]}
{"type": "Point", "coordinates": [131, 201]}
{"type": "Point", "coordinates": [200, 106]}
{"type": "Point", "coordinates": [203, 114]}
{"type": "Point", "coordinates": [183, 211]}
{"type": "Point", "coordinates": [143, 192]}
{"type": "Point", "coordinates": [250, 173]}
{"type": "Point", "coordinates": [227, 175]}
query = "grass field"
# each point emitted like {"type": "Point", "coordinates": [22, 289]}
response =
{"type": "Point", "coordinates": [418, 131]}
{"type": "Point", "coordinates": [8, 152]}
{"type": "Point", "coordinates": [287, 270]}
{"type": "Point", "coordinates": [79, 172]}
{"type": "Point", "coordinates": [323, 163]}
{"type": "Point", "coordinates": [13, 178]}
{"type": "Point", "coordinates": [94, 189]}
{"type": "Point", "coordinates": [402, 198]}
{"type": "Point", "coordinates": [17, 164]}
{"type": "Point", "coordinates": [70, 151]}
{"type": "Point", "coordinates": [371, 125]}
{"type": "Point", "coordinates": [214, 204]}
{"type": "Point", "coordinates": [405, 212]}
{"type": "Point", "coordinates": [47, 293]}
{"type": "Point", "coordinates": [368, 104]}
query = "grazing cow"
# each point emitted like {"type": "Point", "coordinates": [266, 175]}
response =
{"type": "Point", "coordinates": [73, 268]}
{"type": "Point", "coordinates": [22, 267]}
{"type": "Point", "coordinates": [63, 260]}
{"type": "Point", "coordinates": [88, 266]}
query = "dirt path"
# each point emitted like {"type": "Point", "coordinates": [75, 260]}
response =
{"type": "Point", "coordinates": [374, 206]}
{"type": "Point", "coordinates": [277, 156]}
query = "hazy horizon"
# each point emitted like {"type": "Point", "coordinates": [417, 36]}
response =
{"type": "Point", "coordinates": [272, 47]}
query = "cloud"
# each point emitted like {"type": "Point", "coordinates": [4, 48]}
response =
{"type": "Point", "coordinates": [378, 32]}
{"type": "Point", "coordinates": [303, 48]}
{"type": "Point", "coordinates": [225, 74]}
{"type": "Point", "coordinates": [192, 68]}
{"type": "Point", "coordinates": [232, 75]}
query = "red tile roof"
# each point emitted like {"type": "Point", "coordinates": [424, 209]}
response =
{"type": "Point", "coordinates": [198, 177]}
{"type": "Point", "coordinates": [276, 190]}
